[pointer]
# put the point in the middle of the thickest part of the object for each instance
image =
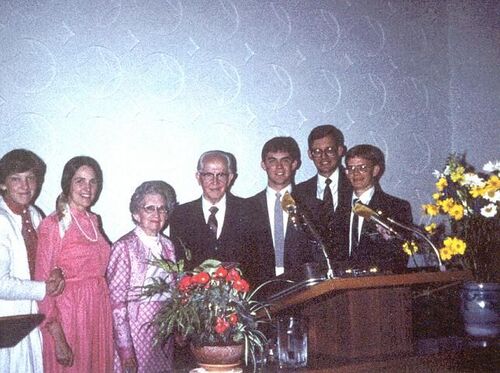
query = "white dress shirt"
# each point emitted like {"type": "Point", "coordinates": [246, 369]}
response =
{"type": "Point", "coordinates": [271, 198]}
{"type": "Point", "coordinates": [221, 213]}
{"type": "Point", "coordinates": [364, 198]}
{"type": "Point", "coordinates": [334, 187]}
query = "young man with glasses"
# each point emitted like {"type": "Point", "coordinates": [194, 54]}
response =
{"type": "Point", "coordinates": [326, 196]}
{"type": "Point", "coordinates": [210, 226]}
{"type": "Point", "coordinates": [369, 243]}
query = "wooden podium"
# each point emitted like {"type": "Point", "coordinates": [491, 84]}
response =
{"type": "Point", "coordinates": [361, 317]}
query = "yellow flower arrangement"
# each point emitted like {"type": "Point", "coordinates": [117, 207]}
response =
{"type": "Point", "coordinates": [470, 202]}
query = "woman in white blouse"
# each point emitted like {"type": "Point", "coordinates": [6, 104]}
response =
{"type": "Point", "coordinates": [21, 176]}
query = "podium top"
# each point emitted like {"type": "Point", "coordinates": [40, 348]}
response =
{"type": "Point", "coordinates": [369, 282]}
{"type": "Point", "coordinates": [15, 328]}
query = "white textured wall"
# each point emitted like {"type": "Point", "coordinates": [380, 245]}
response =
{"type": "Point", "coordinates": [146, 86]}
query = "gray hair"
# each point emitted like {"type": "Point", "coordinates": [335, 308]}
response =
{"type": "Point", "coordinates": [226, 156]}
{"type": "Point", "coordinates": [153, 187]}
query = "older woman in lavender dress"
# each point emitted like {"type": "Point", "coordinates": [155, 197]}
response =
{"type": "Point", "coordinates": [129, 269]}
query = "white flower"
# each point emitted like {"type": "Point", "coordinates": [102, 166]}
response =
{"type": "Point", "coordinates": [493, 198]}
{"type": "Point", "coordinates": [436, 174]}
{"type": "Point", "coordinates": [446, 171]}
{"type": "Point", "coordinates": [489, 210]}
{"type": "Point", "coordinates": [473, 180]}
{"type": "Point", "coordinates": [492, 167]}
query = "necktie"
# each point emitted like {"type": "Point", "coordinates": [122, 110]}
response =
{"type": "Point", "coordinates": [212, 221]}
{"type": "Point", "coordinates": [354, 229]}
{"type": "Point", "coordinates": [279, 239]}
{"type": "Point", "coordinates": [327, 202]}
{"type": "Point", "coordinates": [30, 240]}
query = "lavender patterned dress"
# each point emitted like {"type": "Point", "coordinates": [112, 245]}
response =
{"type": "Point", "coordinates": [129, 269]}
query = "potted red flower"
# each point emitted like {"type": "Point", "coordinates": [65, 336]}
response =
{"type": "Point", "coordinates": [210, 307]}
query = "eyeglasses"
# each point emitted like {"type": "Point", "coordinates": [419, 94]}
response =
{"type": "Point", "coordinates": [208, 176]}
{"type": "Point", "coordinates": [151, 209]}
{"type": "Point", "coordinates": [329, 152]}
{"type": "Point", "coordinates": [362, 169]}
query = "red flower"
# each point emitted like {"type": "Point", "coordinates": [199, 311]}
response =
{"type": "Point", "coordinates": [221, 272]}
{"type": "Point", "coordinates": [185, 282]}
{"type": "Point", "coordinates": [241, 285]}
{"type": "Point", "coordinates": [233, 319]}
{"type": "Point", "coordinates": [233, 275]}
{"type": "Point", "coordinates": [201, 278]}
{"type": "Point", "coordinates": [221, 326]}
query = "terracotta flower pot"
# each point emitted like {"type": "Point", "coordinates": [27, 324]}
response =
{"type": "Point", "coordinates": [218, 358]}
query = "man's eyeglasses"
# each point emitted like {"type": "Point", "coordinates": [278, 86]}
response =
{"type": "Point", "coordinates": [329, 152]}
{"type": "Point", "coordinates": [151, 209]}
{"type": "Point", "coordinates": [208, 176]}
{"type": "Point", "coordinates": [362, 169]}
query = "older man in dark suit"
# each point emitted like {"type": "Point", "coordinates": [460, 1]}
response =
{"type": "Point", "coordinates": [210, 226]}
{"type": "Point", "coordinates": [369, 243]}
{"type": "Point", "coordinates": [326, 196]}
{"type": "Point", "coordinates": [275, 245]}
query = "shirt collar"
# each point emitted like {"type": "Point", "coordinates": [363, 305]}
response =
{"type": "Point", "coordinates": [206, 204]}
{"type": "Point", "coordinates": [334, 177]}
{"type": "Point", "coordinates": [366, 196]}
{"type": "Point", "coordinates": [270, 192]}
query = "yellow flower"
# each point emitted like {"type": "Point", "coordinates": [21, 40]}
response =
{"type": "Point", "coordinates": [431, 209]}
{"type": "Point", "coordinates": [431, 228]}
{"type": "Point", "coordinates": [493, 182]}
{"type": "Point", "coordinates": [436, 196]}
{"type": "Point", "coordinates": [458, 246]}
{"type": "Point", "coordinates": [458, 174]}
{"type": "Point", "coordinates": [410, 248]}
{"type": "Point", "coordinates": [445, 253]}
{"type": "Point", "coordinates": [476, 192]}
{"type": "Point", "coordinates": [441, 184]}
{"type": "Point", "coordinates": [457, 212]}
{"type": "Point", "coordinates": [446, 204]}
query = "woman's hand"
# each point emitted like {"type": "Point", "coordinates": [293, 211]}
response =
{"type": "Point", "coordinates": [129, 365]}
{"type": "Point", "coordinates": [55, 283]}
{"type": "Point", "coordinates": [64, 354]}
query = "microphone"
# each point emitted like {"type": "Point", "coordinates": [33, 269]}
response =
{"type": "Point", "coordinates": [288, 204]}
{"type": "Point", "coordinates": [367, 213]}
{"type": "Point", "coordinates": [300, 221]}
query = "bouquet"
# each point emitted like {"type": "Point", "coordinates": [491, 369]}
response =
{"type": "Point", "coordinates": [210, 305]}
{"type": "Point", "coordinates": [467, 203]}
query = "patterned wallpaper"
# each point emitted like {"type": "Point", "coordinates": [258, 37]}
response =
{"type": "Point", "coordinates": [146, 86]}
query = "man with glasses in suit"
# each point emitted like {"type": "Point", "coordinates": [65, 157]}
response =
{"type": "Point", "coordinates": [326, 197]}
{"type": "Point", "coordinates": [210, 226]}
{"type": "Point", "coordinates": [370, 244]}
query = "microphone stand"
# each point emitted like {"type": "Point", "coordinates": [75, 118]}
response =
{"type": "Point", "coordinates": [317, 238]}
{"type": "Point", "coordinates": [417, 232]}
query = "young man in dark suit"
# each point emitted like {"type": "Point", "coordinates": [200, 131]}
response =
{"type": "Point", "coordinates": [210, 226]}
{"type": "Point", "coordinates": [275, 244]}
{"type": "Point", "coordinates": [369, 243]}
{"type": "Point", "coordinates": [326, 196]}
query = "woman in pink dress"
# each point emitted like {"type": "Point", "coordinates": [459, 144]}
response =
{"type": "Point", "coordinates": [130, 269]}
{"type": "Point", "coordinates": [77, 332]}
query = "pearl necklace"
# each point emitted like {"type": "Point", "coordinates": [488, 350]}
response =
{"type": "Point", "coordinates": [81, 230]}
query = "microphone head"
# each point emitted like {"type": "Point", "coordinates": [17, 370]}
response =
{"type": "Point", "coordinates": [287, 202]}
{"type": "Point", "coordinates": [363, 210]}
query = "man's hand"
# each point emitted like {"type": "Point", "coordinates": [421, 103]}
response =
{"type": "Point", "coordinates": [54, 285]}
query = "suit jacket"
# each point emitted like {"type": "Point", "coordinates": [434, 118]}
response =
{"type": "Point", "coordinates": [260, 262]}
{"type": "Point", "coordinates": [188, 229]}
{"type": "Point", "coordinates": [333, 231]}
{"type": "Point", "coordinates": [373, 249]}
